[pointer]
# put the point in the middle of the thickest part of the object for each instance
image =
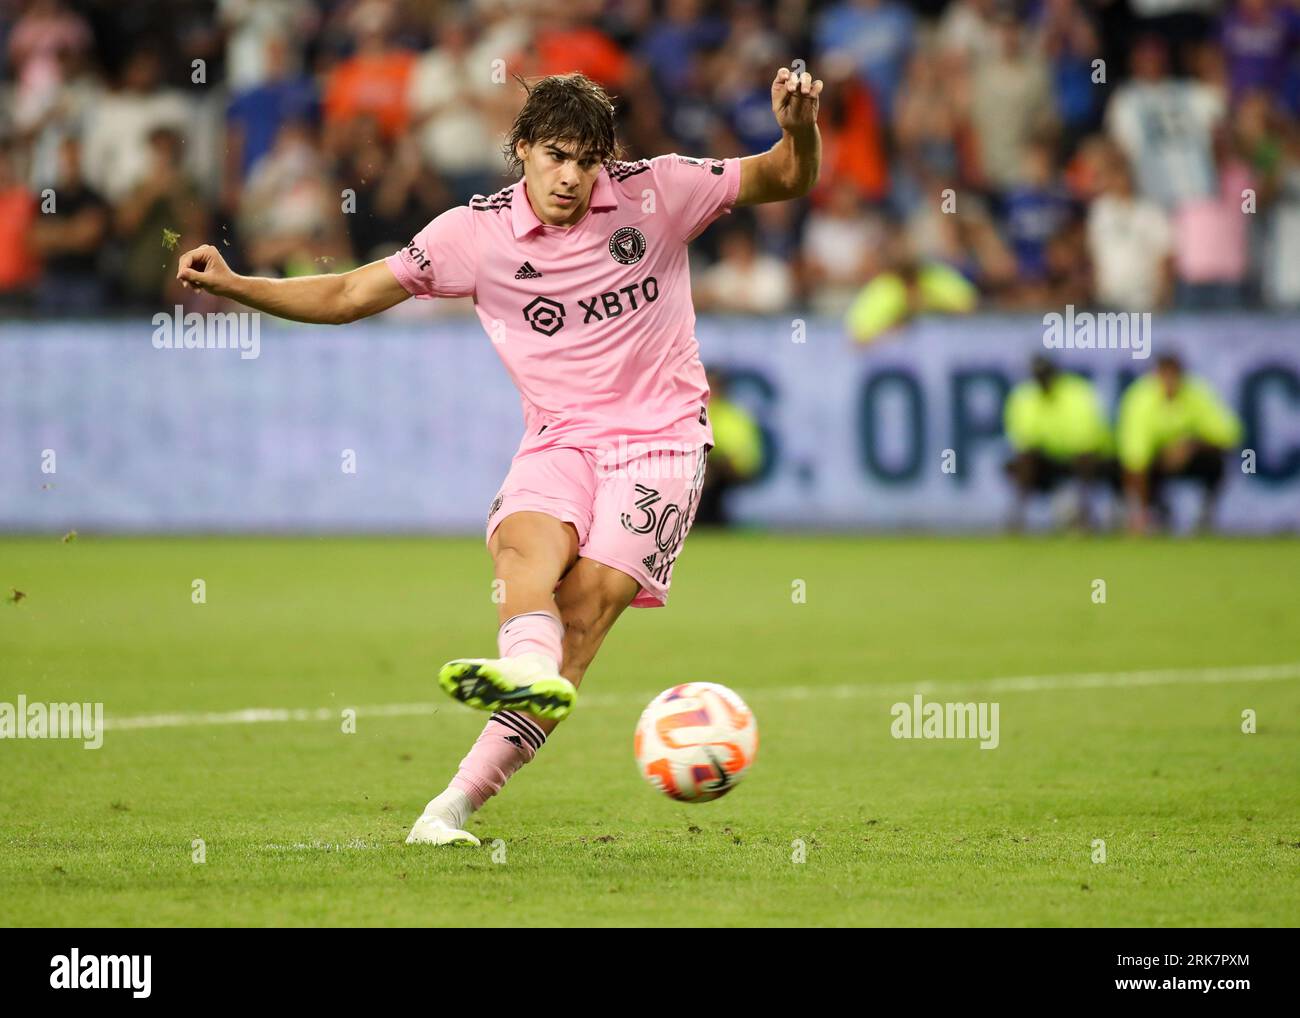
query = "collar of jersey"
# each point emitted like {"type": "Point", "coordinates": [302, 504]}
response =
{"type": "Point", "coordinates": [525, 220]}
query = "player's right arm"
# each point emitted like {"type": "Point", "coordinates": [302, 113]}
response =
{"type": "Point", "coordinates": [441, 261]}
{"type": "Point", "coordinates": [326, 300]}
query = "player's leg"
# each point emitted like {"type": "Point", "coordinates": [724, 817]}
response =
{"type": "Point", "coordinates": [629, 543]}
{"type": "Point", "coordinates": [537, 522]}
{"type": "Point", "coordinates": [530, 552]}
{"type": "Point", "coordinates": [590, 599]}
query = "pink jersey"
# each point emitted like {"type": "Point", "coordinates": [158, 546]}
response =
{"type": "Point", "coordinates": [594, 322]}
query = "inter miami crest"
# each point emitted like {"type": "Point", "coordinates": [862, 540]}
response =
{"type": "Point", "coordinates": [627, 245]}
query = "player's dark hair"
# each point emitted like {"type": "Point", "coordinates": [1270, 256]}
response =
{"type": "Point", "coordinates": [567, 106]}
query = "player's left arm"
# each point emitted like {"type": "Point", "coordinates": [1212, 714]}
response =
{"type": "Point", "coordinates": [788, 169]}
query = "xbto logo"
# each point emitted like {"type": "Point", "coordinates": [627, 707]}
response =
{"type": "Point", "coordinates": [547, 316]}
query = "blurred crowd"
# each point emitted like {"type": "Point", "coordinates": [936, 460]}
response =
{"type": "Point", "coordinates": [1129, 154]}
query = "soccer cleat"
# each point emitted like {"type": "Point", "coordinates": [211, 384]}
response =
{"type": "Point", "coordinates": [434, 830]}
{"type": "Point", "coordinates": [525, 683]}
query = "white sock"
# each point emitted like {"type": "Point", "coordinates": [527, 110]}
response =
{"type": "Point", "coordinates": [453, 806]}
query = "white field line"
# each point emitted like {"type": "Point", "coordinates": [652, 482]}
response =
{"type": "Point", "coordinates": [1006, 684]}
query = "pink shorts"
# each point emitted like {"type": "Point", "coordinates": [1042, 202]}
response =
{"type": "Point", "coordinates": [631, 512]}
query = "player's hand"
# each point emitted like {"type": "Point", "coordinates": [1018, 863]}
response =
{"type": "Point", "coordinates": [794, 100]}
{"type": "Point", "coordinates": [203, 268]}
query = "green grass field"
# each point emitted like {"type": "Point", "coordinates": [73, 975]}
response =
{"type": "Point", "coordinates": [303, 824]}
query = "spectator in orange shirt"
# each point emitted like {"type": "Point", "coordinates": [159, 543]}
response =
{"type": "Point", "coordinates": [373, 81]}
{"type": "Point", "coordinates": [571, 44]}
{"type": "Point", "coordinates": [852, 141]}
{"type": "Point", "coordinates": [19, 265]}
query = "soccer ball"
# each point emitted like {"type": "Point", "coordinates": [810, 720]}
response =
{"type": "Point", "coordinates": [695, 741]}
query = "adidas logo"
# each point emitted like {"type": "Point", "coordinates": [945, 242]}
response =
{"type": "Point", "coordinates": [526, 271]}
{"type": "Point", "coordinates": [514, 740]}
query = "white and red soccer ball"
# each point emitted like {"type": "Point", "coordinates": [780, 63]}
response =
{"type": "Point", "coordinates": [695, 741]}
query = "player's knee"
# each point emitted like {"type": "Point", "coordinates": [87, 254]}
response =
{"type": "Point", "coordinates": [513, 560]}
{"type": "Point", "coordinates": [523, 545]}
{"type": "Point", "coordinates": [509, 558]}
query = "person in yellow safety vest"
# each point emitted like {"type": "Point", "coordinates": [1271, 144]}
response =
{"type": "Point", "coordinates": [1172, 425]}
{"type": "Point", "coordinates": [1057, 430]}
{"type": "Point", "coordinates": [911, 286]}
{"type": "Point", "coordinates": [736, 456]}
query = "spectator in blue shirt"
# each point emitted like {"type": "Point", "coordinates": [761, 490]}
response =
{"type": "Point", "coordinates": [1034, 212]}
{"type": "Point", "coordinates": [876, 34]}
{"type": "Point", "coordinates": [256, 115]}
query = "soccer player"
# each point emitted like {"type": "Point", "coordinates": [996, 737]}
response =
{"type": "Point", "coordinates": [579, 275]}
{"type": "Point", "coordinates": [1057, 429]}
{"type": "Point", "coordinates": [1172, 426]}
